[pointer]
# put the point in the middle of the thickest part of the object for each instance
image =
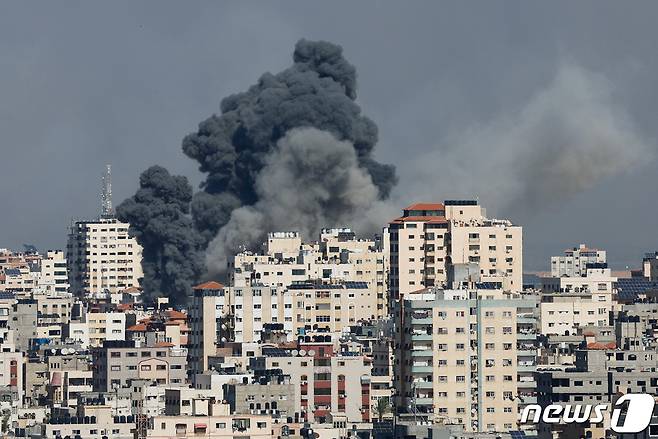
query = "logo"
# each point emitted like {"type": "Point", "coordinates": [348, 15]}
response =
{"type": "Point", "coordinates": [637, 414]}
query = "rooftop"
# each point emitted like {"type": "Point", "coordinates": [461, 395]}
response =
{"type": "Point", "coordinates": [211, 285]}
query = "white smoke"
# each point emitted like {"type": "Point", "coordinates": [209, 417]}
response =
{"type": "Point", "coordinates": [569, 136]}
{"type": "Point", "coordinates": [310, 181]}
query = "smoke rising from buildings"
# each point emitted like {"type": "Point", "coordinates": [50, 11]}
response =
{"type": "Point", "coordinates": [318, 91]}
{"type": "Point", "coordinates": [159, 218]}
{"type": "Point", "coordinates": [309, 181]}
{"type": "Point", "coordinates": [291, 152]}
{"type": "Point", "coordinates": [567, 138]}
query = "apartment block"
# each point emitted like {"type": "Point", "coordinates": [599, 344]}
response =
{"type": "Point", "coordinates": [301, 306]}
{"type": "Point", "coordinates": [430, 239]}
{"type": "Point", "coordinates": [102, 257]}
{"type": "Point", "coordinates": [206, 317]}
{"type": "Point", "coordinates": [118, 363]}
{"type": "Point", "coordinates": [581, 301]}
{"type": "Point", "coordinates": [575, 261]}
{"type": "Point", "coordinates": [461, 356]}
{"type": "Point", "coordinates": [325, 382]}
{"type": "Point", "coordinates": [337, 256]}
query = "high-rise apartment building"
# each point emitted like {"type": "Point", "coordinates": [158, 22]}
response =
{"type": "Point", "coordinates": [102, 257]}
{"type": "Point", "coordinates": [206, 316]}
{"type": "Point", "coordinates": [465, 357]}
{"type": "Point", "coordinates": [430, 240]}
{"type": "Point", "coordinates": [576, 260]}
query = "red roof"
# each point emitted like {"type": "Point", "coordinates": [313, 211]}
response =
{"type": "Point", "coordinates": [164, 344]}
{"type": "Point", "coordinates": [425, 206]}
{"type": "Point", "coordinates": [211, 285]}
{"type": "Point", "coordinates": [601, 346]}
{"type": "Point", "coordinates": [176, 315]}
{"type": "Point", "coordinates": [137, 328]}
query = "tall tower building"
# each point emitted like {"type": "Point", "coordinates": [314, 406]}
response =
{"type": "Point", "coordinates": [101, 255]}
{"type": "Point", "coordinates": [209, 305]}
{"type": "Point", "coordinates": [433, 244]}
{"type": "Point", "coordinates": [465, 357]}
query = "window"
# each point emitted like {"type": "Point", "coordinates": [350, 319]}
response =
{"type": "Point", "coordinates": [145, 367]}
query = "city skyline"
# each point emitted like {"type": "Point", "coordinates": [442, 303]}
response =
{"type": "Point", "coordinates": [95, 110]}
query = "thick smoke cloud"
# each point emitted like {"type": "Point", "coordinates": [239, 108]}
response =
{"type": "Point", "coordinates": [159, 218]}
{"type": "Point", "coordinates": [567, 138]}
{"type": "Point", "coordinates": [293, 152]}
{"type": "Point", "coordinates": [309, 181]}
{"type": "Point", "coordinates": [318, 91]}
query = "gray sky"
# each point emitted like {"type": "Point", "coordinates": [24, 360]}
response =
{"type": "Point", "coordinates": [468, 86]}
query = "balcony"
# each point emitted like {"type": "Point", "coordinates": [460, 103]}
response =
{"type": "Point", "coordinates": [421, 337]}
{"type": "Point", "coordinates": [421, 353]}
{"type": "Point", "coordinates": [422, 369]}
{"type": "Point", "coordinates": [424, 401]}
{"type": "Point", "coordinates": [524, 366]}
{"type": "Point", "coordinates": [424, 384]}
{"type": "Point", "coordinates": [526, 335]}
{"type": "Point", "coordinates": [422, 321]}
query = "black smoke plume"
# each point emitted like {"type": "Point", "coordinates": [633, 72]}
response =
{"type": "Point", "coordinates": [262, 138]}
{"type": "Point", "coordinates": [317, 91]}
{"type": "Point", "coordinates": [158, 214]}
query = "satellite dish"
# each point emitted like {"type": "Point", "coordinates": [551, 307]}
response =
{"type": "Point", "coordinates": [311, 353]}
{"type": "Point", "coordinates": [53, 351]}
{"type": "Point", "coordinates": [302, 352]}
{"type": "Point", "coordinates": [295, 352]}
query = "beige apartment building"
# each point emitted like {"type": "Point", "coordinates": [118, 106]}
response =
{"type": "Point", "coordinates": [338, 256]}
{"type": "Point", "coordinates": [429, 239]}
{"type": "Point", "coordinates": [465, 357]}
{"type": "Point", "coordinates": [300, 306]}
{"type": "Point", "coordinates": [102, 257]}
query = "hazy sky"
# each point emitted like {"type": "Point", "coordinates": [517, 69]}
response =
{"type": "Point", "coordinates": [471, 98]}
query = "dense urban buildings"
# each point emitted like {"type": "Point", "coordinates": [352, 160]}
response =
{"type": "Point", "coordinates": [424, 330]}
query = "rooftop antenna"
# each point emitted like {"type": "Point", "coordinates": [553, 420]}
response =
{"type": "Point", "coordinates": [107, 211]}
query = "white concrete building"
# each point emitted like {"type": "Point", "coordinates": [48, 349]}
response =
{"type": "Point", "coordinates": [102, 257]}
{"type": "Point", "coordinates": [575, 260]}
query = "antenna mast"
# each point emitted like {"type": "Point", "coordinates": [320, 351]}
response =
{"type": "Point", "coordinates": [107, 210]}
